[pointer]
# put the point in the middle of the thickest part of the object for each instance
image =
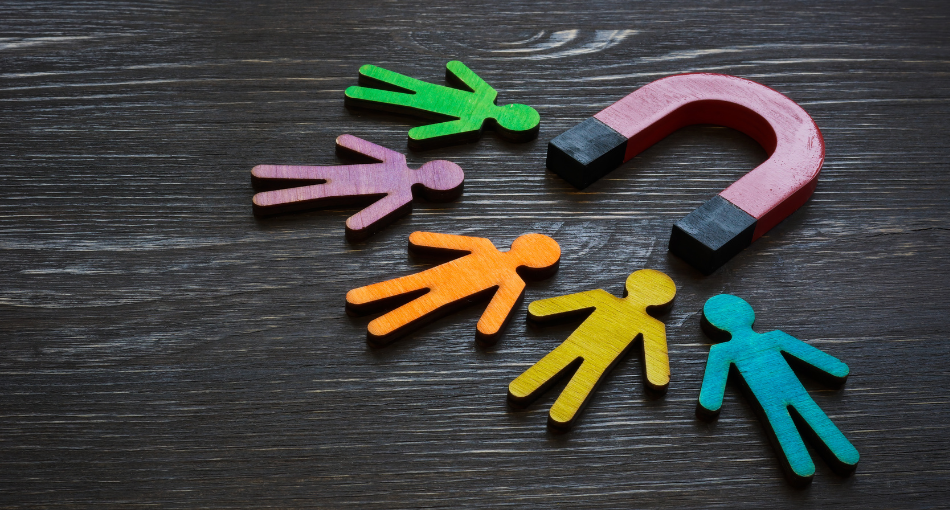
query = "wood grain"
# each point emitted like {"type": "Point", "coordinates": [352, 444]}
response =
{"type": "Point", "coordinates": [784, 406]}
{"type": "Point", "coordinates": [610, 328]}
{"type": "Point", "coordinates": [162, 347]}
{"type": "Point", "coordinates": [465, 110]}
{"type": "Point", "coordinates": [390, 184]}
{"type": "Point", "coordinates": [484, 272]}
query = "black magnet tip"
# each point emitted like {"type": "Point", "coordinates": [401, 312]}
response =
{"type": "Point", "coordinates": [586, 152]}
{"type": "Point", "coordinates": [712, 234]}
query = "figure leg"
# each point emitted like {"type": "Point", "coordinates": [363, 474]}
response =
{"type": "Point", "coordinates": [414, 314]}
{"type": "Point", "coordinates": [341, 187]}
{"type": "Point", "coordinates": [359, 96]}
{"type": "Point", "coordinates": [576, 394]}
{"type": "Point", "coordinates": [371, 75]}
{"type": "Point", "coordinates": [279, 201]}
{"type": "Point", "coordinates": [537, 379]}
{"type": "Point", "coordinates": [786, 437]}
{"type": "Point", "coordinates": [276, 176]}
{"type": "Point", "coordinates": [840, 454]}
{"type": "Point", "coordinates": [387, 294]}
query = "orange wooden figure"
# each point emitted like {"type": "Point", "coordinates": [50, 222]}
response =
{"type": "Point", "coordinates": [484, 272]}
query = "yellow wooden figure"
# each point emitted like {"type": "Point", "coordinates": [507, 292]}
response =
{"type": "Point", "coordinates": [613, 325]}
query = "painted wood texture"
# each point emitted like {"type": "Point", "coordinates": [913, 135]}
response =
{"type": "Point", "coordinates": [767, 194]}
{"type": "Point", "coordinates": [611, 327]}
{"type": "Point", "coordinates": [712, 234]}
{"type": "Point", "coordinates": [796, 149]}
{"type": "Point", "coordinates": [464, 110]}
{"type": "Point", "coordinates": [784, 406]}
{"type": "Point", "coordinates": [163, 348]}
{"type": "Point", "coordinates": [389, 183]}
{"type": "Point", "coordinates": [484, 273]}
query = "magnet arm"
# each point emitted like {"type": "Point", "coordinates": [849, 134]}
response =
{"type": "Point", "coordinates": [744, 211]}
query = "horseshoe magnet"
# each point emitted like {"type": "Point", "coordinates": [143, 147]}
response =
{"type": "Point", "coordinates": [720, 228]}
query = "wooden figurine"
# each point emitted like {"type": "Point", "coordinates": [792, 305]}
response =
{"type": "Point", "coordinates": [612, 325]}
{"type": "Point", "coordinates": [720, 228]}
{"type": "Point", "coordinates": [463, 111]}
{"type": "Point", "coordinates": [390, 184]}
{"type": "Point", "coordinates": [783, 405]}
{"type": "Point", "coordinates": [484, 272]}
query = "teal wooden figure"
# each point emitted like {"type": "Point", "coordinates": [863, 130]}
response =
{"type": "Point", "coordinates": [781, 401]}
{"type": "Point", "coordinates": [463, 110]}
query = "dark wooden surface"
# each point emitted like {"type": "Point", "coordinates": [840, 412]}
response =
{"type": "Point", "coordinates": [162, 347]}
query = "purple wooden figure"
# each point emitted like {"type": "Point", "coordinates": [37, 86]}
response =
{"type": "Point", "coordinates": [389, 185]}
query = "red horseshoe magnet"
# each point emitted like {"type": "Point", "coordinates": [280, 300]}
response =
{"type": "Point", "coordinates": [720, 228]}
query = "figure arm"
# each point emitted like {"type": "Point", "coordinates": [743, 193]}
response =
{"type": "Point", "coordinates": [460, 73]}
{"type": "Point", "coordinates": [379, 213]}
{"type": "Point", "coordinates": [427, 241]}
{"type": "Point", "coordinates": [656, 356]}
{"type": "Point", "coordinates": [714, 382]}
{"type": "Point", "coordinates": [558, 309]}
{"type": "Point", "coordinates": [833, 370]}
{"type": "Point", "coordinates": [498, 310]}
{"type": "Point", "coordinates": [357, 145]}
{"type": "Point", "coordinates": [462, 129]}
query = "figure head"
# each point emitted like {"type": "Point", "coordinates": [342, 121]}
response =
{"type": "Point", "coordinates": [517, 118]}
{"type": "Point", "coordinates": [537, 254]}
{"type": "Point", "coordinates": [653, 289]}
{"type": "Point", "coordinates": [726, 313]}
{"type": "Point", "coordinates": [441, 179]}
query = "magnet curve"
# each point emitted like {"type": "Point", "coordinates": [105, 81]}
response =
{"type": "Point", "coordinates": [720, 228]}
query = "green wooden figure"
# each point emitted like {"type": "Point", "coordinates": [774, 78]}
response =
{"type": "Point", "coordinates": [464, 110]}
{"type": "Point", "coordinates": [781, 401]}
